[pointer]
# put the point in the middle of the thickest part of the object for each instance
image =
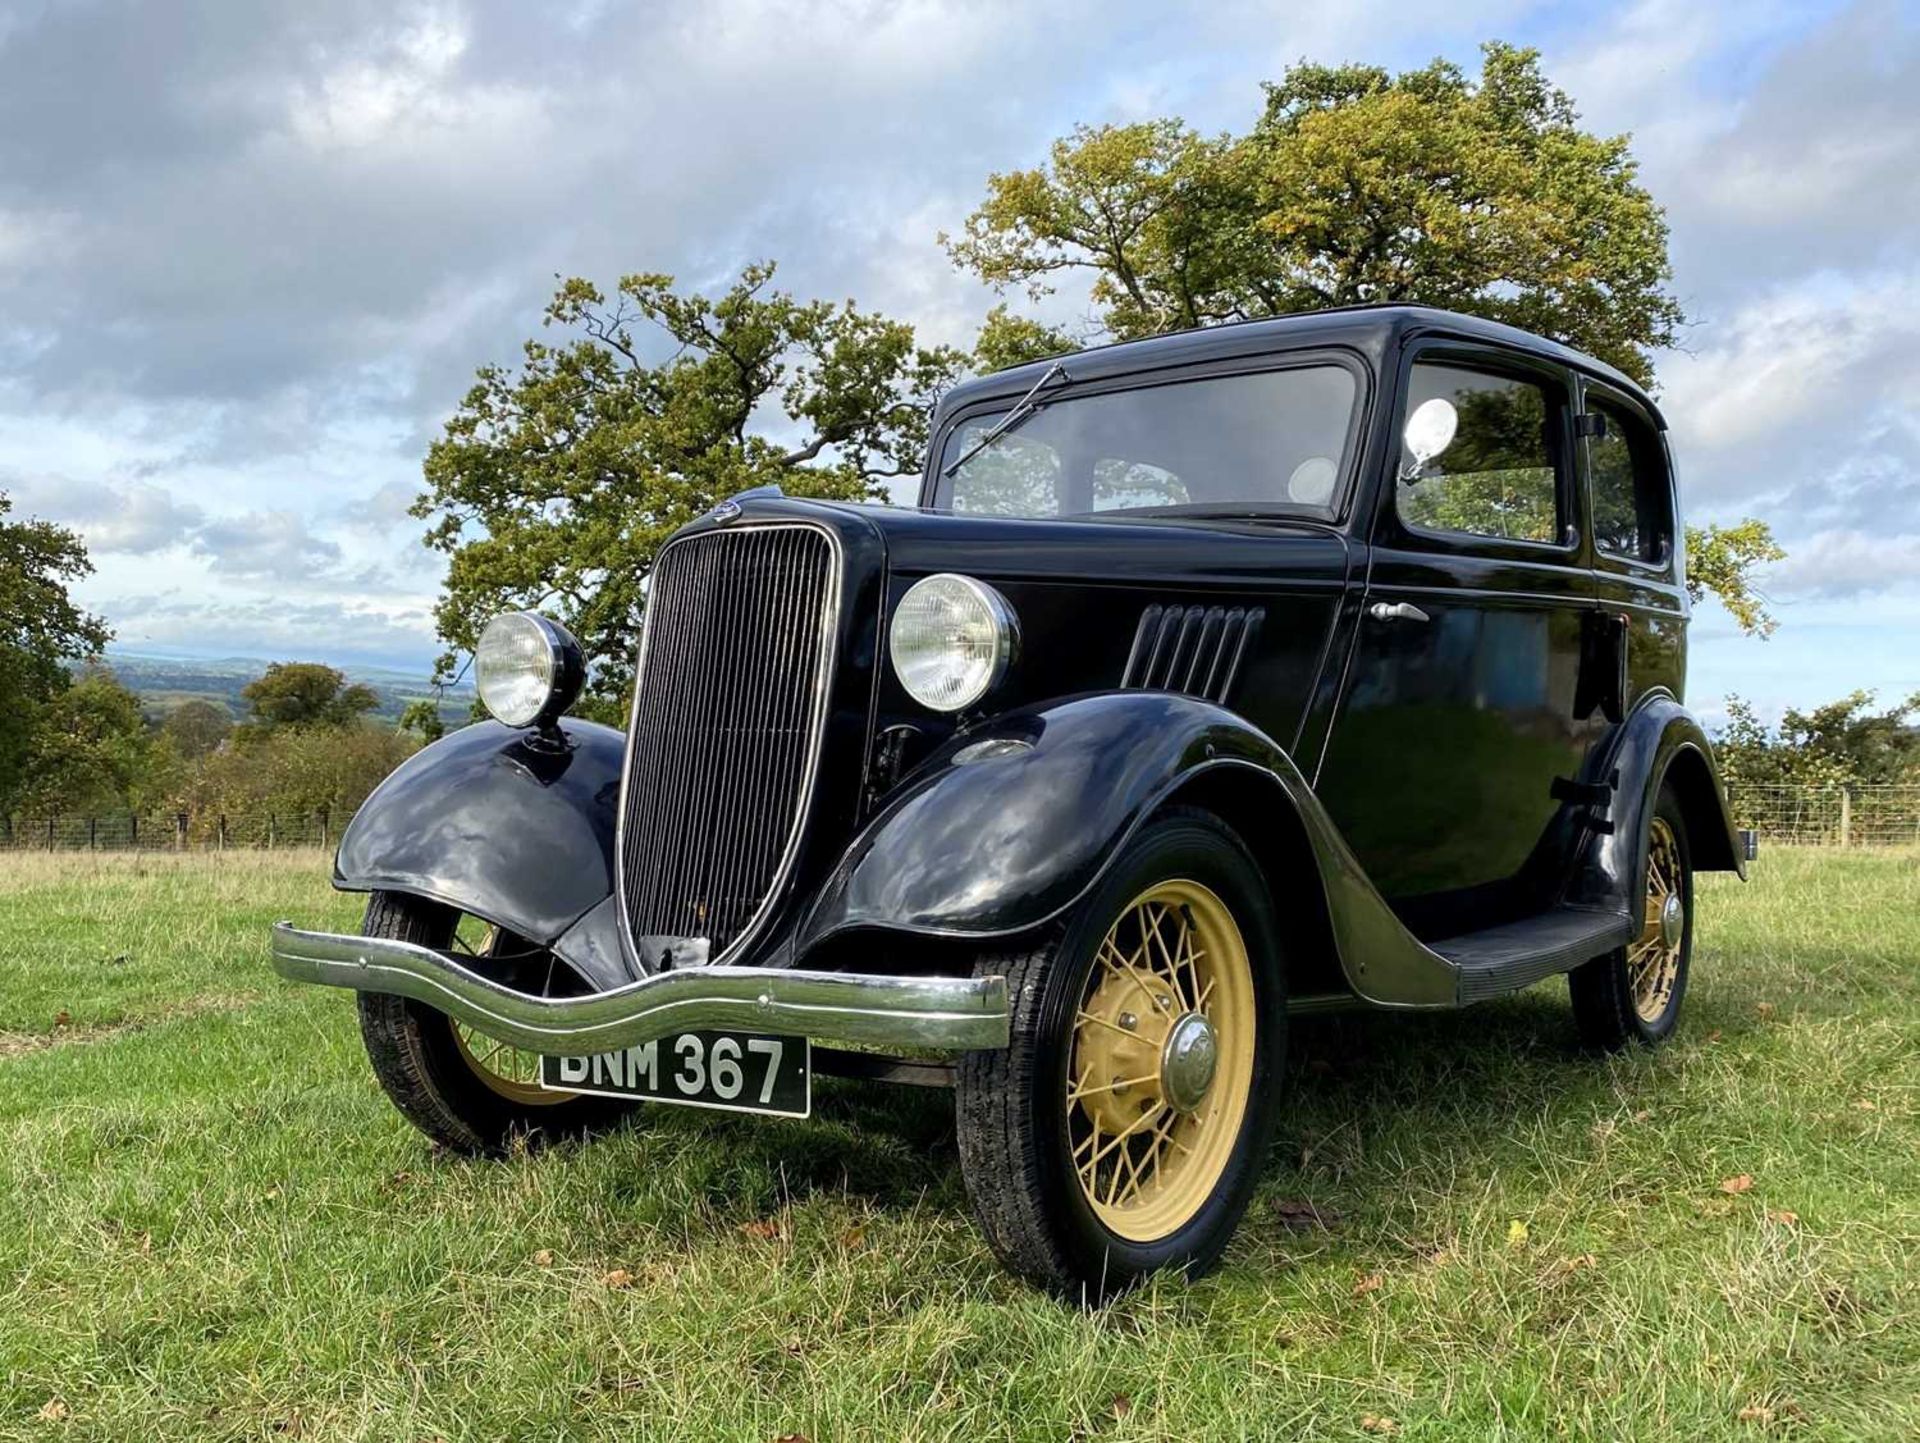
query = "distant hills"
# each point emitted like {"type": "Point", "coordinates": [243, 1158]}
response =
{"type": "Point", "coordinates": [165, 682]}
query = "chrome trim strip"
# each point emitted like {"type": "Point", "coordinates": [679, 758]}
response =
{"type": "Point", "coordinates": [937, 1012]}
{"type": "Point", "coordinates": [822, 685]}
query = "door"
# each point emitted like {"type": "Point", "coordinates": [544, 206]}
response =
{"type": "Point", "coordinates": [1458, 727]}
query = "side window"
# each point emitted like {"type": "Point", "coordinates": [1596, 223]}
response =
{"type": "Point", "coordinates": [1496, 475]}
{"type": "Point", "coordinates": [1627, 479]}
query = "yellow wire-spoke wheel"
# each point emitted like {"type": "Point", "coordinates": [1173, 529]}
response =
{"type": "Point", "coordinates": [1653, 959]}
{"type": "Point", "coordinates": [509, 1071]}
{"type": "Point", "coordinates": [1162, 1061]}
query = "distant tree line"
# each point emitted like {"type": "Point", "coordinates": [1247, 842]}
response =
{"type": "Point", "coordinates": [1844, 743]}
{"type": "Point", "coordinates": [304, 747]}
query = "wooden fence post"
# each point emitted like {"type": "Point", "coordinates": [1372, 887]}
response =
{"type": "Point", "coordinates": [133, 831]}
{"type": "Point", "coordinates": [1846, 816]}
{"type": "Point", "coordinates": [222, 844]}
{"type": "Point", "coordinates": [49, 831]}
{"type": "Point", "coordinates": [93, 834]}
{"type": "Point", "coordinates": [180, 831]}
{"type": "Point", "coordinates": [325, 817]}
{"type": "Point", "coordinates": [272, 826]}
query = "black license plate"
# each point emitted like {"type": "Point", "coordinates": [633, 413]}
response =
{"type": "Point", "coordinates": [736, 1071]}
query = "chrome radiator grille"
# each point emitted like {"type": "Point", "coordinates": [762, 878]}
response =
{"type": "Point", "coordinates": [727, 719]}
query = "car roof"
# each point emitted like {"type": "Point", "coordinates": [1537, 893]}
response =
{"type": "Point", "coordinates": [1374, 331]}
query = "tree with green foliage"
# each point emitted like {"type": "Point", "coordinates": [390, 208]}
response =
{"type": "Point", "coordinates": [41, 629]}
{"type": "Point", "coordinates": [556, 482]}
{"type": "Point", "coordinates": [423, 719]}
{"type": "Point", "coordinates": [1721, 561]}
{"type": "Point", "coordinates": [90, 749]}
{"type": "Point", "coordinates": [197, 727]}
{"type": "Point", "coordinates": [1844, 742]}
{"type": "Point", "coordinates": [304, 694]}
{"type": "Point", "coordinates": [1480, 194]}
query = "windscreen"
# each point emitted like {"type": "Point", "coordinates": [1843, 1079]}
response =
{"type": "Point", "coordinates": [1271, 439]}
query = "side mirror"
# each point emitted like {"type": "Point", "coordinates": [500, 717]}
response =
{"type": "Point", "coordinates": [1428, 432]}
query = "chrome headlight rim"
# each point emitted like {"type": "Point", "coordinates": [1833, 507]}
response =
{"type": "Point", "coordinates": [563, 671]}
{"type": "Point", "coordinates": [1005, 631]}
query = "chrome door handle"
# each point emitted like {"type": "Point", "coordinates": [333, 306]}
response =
{"type": "Point", "coordinates": [1396, 611]}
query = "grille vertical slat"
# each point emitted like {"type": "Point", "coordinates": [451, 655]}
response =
{"type": "Point", "coordinates": [727, 718]}
{"type": "Point", "coordinates": [1196, 650]}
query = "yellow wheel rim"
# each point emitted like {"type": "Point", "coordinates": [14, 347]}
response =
{"type": "Point", "coordinates": [506, 1070]}
{"type": "Point", "coordinates": [1653, 959]}
{"type": "Point", "coordinates": [1161, 1066]}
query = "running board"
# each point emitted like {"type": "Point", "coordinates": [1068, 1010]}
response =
{"type": "Point", "coordinates": [1518, 954]}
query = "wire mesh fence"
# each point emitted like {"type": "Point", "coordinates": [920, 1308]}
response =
{"type": "Point", "coordinates": [1854, 816]}
{"type": "Point", "coordinates": [1851, 816]}
{"type": "Point", "coordinates": [171, 831]}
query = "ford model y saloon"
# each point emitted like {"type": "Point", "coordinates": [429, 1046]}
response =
{"type": "Point", "coordinates": [1323, 662]}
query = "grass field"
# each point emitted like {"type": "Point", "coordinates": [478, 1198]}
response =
{"type": "Point", "coordinates": [212, 1225]}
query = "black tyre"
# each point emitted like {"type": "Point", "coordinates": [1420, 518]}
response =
{"type": "Point", "coordinates": [1633, 993]}
{"type": "Point", "coordinates": [1123, 1131]}
{"type": "Point", "coordinates": [460, 1088]}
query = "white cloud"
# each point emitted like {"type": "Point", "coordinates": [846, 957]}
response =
{"type": "Point", "coordinates": [129, 517]}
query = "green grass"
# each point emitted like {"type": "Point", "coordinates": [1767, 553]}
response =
{"type": "Point", "coordinates": [212, 1225]}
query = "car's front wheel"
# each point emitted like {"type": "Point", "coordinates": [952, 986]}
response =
{"type": "Point", "coordinates": [1122, 1131]}
{"type": "Point", "coordinates": [462, 1088]}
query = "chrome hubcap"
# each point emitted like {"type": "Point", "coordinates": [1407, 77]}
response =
{"type": "Point", "coordinates": [1188, 1061]}
{"type": "Point", "coordinates": [1673, 921]}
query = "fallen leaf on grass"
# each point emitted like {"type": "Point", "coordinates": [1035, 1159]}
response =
{"type": "Point", "coordinates": [543, 1258]}
{"type": "Point", "coordinates": [1120, 1406]}
{"type": "Point", "coordinates": [1713, 1036]}
{"type": "Point", "coordinates": [1756, 1413]}
{"type": "Point", "coordinates": [793, 1438]}
{"type": "Point", "coordinates": [54, 1410]}
{"type": "Point", "coordinates": [1786, 1217]}
{"type": "Point", "coordinates": [768, 1230]}
{"type": "Point", "coordinates": [1567, 1267]}
{"type": "Point", "coordinates": [1371, 1283]}
{"type": "Point", "coordinates": [1865, 1104]}
{"type": "Point", "coordinates": [1764, 1009]}
{"type": "Point", "coordinates": [1377, 1423]}
{"type": "Point", "coordinates": [1642, 1115]}
{"type": "Point", "coordinates": [853, 1238]}
{"type": "Point", "coordinates": [618, 1278]}
{"type": "Point", "coordinates": [1516, 1233]}
{"type": "Point", "coordinates": [1740, 1184]}
{"type": "Point", "coordinates": [63, 1018]}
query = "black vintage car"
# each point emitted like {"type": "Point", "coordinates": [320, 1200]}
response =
{"type": "Point", "coordinates": [1312, 663]}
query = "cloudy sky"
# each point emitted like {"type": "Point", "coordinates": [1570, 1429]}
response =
{"type": "Point", "coordinates": [251, 252]}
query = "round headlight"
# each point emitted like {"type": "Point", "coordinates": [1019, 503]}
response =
{"type": "Point", "coordinates": [951, 640]}
{"type": "Point", "coordinates": [528, 669]}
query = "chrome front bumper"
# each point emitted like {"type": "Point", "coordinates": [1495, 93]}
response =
{"type": "Point", "coordinates": [939, 1012]}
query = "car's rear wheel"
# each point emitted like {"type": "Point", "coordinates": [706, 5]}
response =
{"type": "Point", "coordinates": [1122, 1131]}
{"type": "Point", "coordinates": [463, 1089]}
{"type": "Point", "coordinates": [1634, 993]}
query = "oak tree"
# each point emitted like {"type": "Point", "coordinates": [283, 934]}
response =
{"type": "Point", "coordinates": [557, 480]}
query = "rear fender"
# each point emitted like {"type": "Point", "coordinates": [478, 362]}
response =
{"type": "Point", "coordinates": [995, 847]}
{"type": "Point", "coordinates": [1660, 743]}
{"type": "Point", "coordinates": [508, 826]}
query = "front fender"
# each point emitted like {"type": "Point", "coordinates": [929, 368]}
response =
{"type": "Point", "coordinates": [995, 847]}
{"type": "Point", "coordinates": [991, 847]}
{"type": "Point", "coordinates": [505, 825]}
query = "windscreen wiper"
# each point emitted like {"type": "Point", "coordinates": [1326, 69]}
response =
{"type": "Point", "coordinates": [1022, 409]}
